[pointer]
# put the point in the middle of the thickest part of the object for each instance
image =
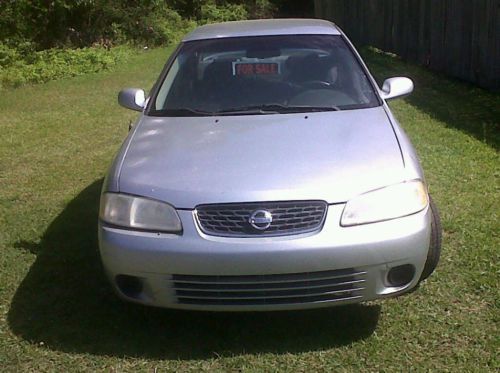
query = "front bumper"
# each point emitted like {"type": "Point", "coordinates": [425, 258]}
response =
{"type": "Point", "coordinates": [337, 265]}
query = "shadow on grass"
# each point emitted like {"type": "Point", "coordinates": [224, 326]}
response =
{"type": "Point", "coordinates": [457, 104]}
{"type": "Point", "coordinates": [66, 303]}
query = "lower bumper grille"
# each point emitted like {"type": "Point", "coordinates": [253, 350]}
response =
{"type": "Point", "coordinates": [294, 288]}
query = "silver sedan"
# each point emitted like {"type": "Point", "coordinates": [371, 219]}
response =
{"type": "Point", "coordinates": [266, 172]}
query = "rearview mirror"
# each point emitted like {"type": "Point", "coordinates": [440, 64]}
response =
{"type": "Point", "coordinates": [132, 98]}
{"type": "Point", "coordinates": [396, 87]}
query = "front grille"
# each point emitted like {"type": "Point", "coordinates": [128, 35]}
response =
{"type": "Point", "coordinates": [294, 288]}
{"type": "Point", "coordinates": [232, 219]}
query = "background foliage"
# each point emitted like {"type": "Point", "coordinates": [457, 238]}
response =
{"type": "Point", "coordinates": [79, 23]}
{"type": "Point", "coordinates": [42, 40]}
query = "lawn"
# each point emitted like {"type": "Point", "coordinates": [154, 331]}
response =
{"type": "Point", "coordinates": [57, 312]}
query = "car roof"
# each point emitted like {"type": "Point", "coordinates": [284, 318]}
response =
{"type": "Point", "coordinates": [263, 27]}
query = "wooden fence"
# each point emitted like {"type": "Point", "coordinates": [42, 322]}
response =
{"type": "Point", "coordinates": [458, 37]}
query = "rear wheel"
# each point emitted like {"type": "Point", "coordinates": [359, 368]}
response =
{"type": "Point", "coordinates": [435, 244]}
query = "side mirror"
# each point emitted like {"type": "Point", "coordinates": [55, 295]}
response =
{"type": "Point", "coordinates": [132, 98]}
{"type": "Point", "coordinates": [396, 87]}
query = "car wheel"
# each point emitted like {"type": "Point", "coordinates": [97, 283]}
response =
{"type": "Point", "coordinates": [435, 244]}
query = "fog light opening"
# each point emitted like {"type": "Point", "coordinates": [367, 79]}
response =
{"type": "Point", "coordinates": [401, 275]}
{"type": "Point", "coordinates": [130, 286]}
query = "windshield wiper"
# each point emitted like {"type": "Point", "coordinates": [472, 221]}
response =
{"type": "Point", "coordinates": [183, 112]}
{"type": "Point", "coordinates": [253, 109]}
{"type": "Point", "coordinates": [243, 110]}
{"type": "Point", "coordinates": [275, 109]}
{"type": "Point", "coordinates": [305, 109]}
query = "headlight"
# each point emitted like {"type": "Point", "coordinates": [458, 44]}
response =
{"type": "Point", "coordinates": [386, 203]}
{"type": "Point", "coordinates": [138, 213]}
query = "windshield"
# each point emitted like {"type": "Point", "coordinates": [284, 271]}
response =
{"type": "Point", "coordinates": [263, 75]}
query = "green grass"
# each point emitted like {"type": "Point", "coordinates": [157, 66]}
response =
{"type": "Point", "coordinates": [57, 312]}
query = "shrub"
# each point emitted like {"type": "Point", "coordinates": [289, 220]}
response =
{"type": "Point", "coordinates": [261, 9]}
{"type": "Point", "coordinates": [8, 55]}
{"type": "Point", "coordinates": [63, 23]}
{"type": "Point", "coordinates": [56, 63]}
{"type": "Point", "coordinates": [211, 13]}
{"type": "Point", "coordinates": [83, 23]}
{"type": "Point", "coordinates": [152, 25]}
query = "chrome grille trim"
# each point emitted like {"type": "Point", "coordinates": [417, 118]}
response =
{"type": "Point", "coordinates": [253, 287]}
{"type": "Point", "coordinates": [231, 219]}
{"type": "Point", "coordinates": [309, 287]}
{"type": "Point", "coordinates": [259, 279]}
{"type": "Point", "coordinates": [272, 296]}
{"type": "Point", "coordinates": [264, 302]}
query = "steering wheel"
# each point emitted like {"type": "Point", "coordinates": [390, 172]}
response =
{"type": "Point", "coordinates": [316, 84]}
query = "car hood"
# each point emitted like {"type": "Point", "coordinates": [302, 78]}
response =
{"type": "Point", "coordinates": [329, 156]}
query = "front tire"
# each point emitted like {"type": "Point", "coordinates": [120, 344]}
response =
{"type": "Point", "coordinates": [435, 244]}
